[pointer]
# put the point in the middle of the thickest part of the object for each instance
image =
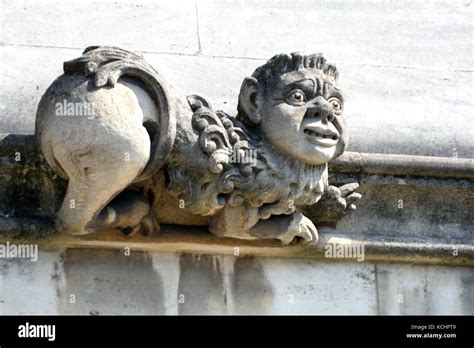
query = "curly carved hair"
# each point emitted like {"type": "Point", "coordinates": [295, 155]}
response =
{"type": "Point", "coordinates": [284, 63]}
{"type": "Point", "coordinates": [275, 184]}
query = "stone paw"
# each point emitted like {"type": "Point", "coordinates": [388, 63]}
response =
{"type": "Point", "coordinates": [302, 228]}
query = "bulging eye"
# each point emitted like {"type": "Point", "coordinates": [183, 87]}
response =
{"type": "Point", "coordinates": [296, 97]}
{"type": "Point", "coordinates": [336, 104]}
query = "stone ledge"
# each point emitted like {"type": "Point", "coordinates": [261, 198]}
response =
{"type": "Point", "coordinates": [394, 169]}
{"type": "Point", "coordinates": [403, 165]}
{"type": "Point", "coordinates": [196, 240]}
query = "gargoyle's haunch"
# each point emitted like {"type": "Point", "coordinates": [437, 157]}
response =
{"type": "Point", "coordinates": [149, 154]}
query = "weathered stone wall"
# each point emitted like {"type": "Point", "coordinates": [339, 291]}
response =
{"type": "Point", "coordinates": [406, 68]}
{"type": "Point", "coordinates": [108, 282]}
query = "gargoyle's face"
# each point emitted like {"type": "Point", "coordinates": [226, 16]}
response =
{"type": "Point", "coordinates": [301, 116]}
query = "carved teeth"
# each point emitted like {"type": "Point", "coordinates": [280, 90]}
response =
{"type": "Point", "coordinates": [320, 135]}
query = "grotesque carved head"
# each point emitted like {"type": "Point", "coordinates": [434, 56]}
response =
{"type": "Point", "coordinates": [294, 101]}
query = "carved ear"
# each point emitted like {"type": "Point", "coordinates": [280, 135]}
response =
{"type": "Point", "coordinates": [248, 99]}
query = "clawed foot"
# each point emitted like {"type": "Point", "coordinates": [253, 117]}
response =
{"type": "Point", "coordinates": [336, 203]}
{"type": "Point", "coordinates": [147, 227]}
{"type": "Point", "coordinates": [344, 197]}
{"type": "Point", "coordinates": [130, 212]}
{"type": "Point", "coordinates": [300, 227]}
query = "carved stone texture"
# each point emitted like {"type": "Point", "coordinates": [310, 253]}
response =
{"type": "Point", "coordinates": [137, 152]}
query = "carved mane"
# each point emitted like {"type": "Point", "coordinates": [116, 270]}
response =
{"type": "Point", "coordinates": [284, 182]}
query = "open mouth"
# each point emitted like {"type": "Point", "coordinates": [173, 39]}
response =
{"type": "Point", "coordinates": [324, 137]}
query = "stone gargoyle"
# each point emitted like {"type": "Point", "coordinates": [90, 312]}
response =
{"type": "Point", "coordinates": [138, 153]}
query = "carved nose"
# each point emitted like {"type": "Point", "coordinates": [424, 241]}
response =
{"type": "Point", "coordinates": [320, 108]}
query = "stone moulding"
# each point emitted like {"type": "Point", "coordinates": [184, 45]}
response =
{"type": "Point", "coordinates": [379, 249]}
{"type": "Point", "coordinates": [405, 165]}
{"type": "Point", "coordinates": [146, 154]}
